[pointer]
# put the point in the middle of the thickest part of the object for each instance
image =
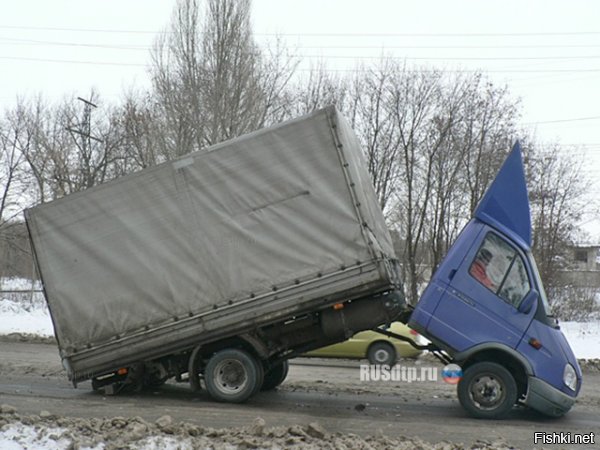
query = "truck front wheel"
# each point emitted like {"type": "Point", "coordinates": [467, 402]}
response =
{"type": "Point", "coordinates": [487, 391]}
{"type": "Point", "coordinates": [232, 376]}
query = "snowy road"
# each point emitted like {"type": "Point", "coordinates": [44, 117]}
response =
{"type": "Point", "coordinates": [327, 392]}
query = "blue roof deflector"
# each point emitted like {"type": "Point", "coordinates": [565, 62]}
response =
{"type": "Point", "coordinates": [505, 205]}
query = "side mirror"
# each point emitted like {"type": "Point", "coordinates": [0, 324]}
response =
{"type": "Point", "coordinates": [528, 303]}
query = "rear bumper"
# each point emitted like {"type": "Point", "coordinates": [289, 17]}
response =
{"type": "Point", "coordinates": [546, 399]}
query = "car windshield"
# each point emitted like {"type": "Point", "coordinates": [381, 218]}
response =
{"type": "Point", "coordinates": [540, 285]}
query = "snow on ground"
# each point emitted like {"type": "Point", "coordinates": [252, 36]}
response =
{"type": "Point", "coordinates": [584, 338]}
{"type": "Point", "coordinates": [18, 436]}
{"type": "Point", "coordinates": [15, 318]}
{"type": "Point", "coordinates": [28, 313]}
{"type": "Point", "coordinates": [35, 432]}
{"type": "Point", "coordinates": [23, 312]}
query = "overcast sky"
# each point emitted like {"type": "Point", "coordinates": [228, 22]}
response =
{"type": "Point", "coordinates": [546, 51]}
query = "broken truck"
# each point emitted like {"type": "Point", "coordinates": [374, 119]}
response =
{"type": "Point", "coordinates": [222, 265]}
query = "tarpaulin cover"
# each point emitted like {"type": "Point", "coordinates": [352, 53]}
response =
{"type": "Point", "coordinates": [209, 228]}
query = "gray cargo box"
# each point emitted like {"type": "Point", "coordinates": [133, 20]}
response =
{"type": "Point", "coordinates": [276, 223]}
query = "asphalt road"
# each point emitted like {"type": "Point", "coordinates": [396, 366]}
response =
{"type": "Point", "coordinates": [329, 392]}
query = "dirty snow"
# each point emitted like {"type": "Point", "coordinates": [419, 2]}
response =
{"type": "Point", "coordinates": [49, 432]}
{"type": "Point", "coordinates": [18, 436]}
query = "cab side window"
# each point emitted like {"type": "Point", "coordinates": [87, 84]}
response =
{"type": "Point", "coordinates": [500, 268]}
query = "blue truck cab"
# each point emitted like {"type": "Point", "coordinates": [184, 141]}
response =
{"type": "Point", "coordinates": [486, 308]}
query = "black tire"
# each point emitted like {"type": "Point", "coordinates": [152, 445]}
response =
{"type": "Point", "coordinates": [154, 383]}
{"type": "Point", "coordinates": [487, 391]}
{"type": "Point", "coordinates": [260, 369]}
{"type": "Point", "coordinates": [233, 376]}
{"type": "Point", "coordinates": [275, 376]}
{"type": "Point", "coordinates": [382, 353]}
{"type": "Point", "coordinates": [154, 376]}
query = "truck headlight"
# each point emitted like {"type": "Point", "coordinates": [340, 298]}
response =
{"type": "Point", "coordinates": [570, 377]}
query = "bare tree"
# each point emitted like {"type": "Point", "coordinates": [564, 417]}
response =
{"type": "Point", "coordinates": [14, 141]}
{"type": "Point", "coordinates": [557, 186]}
{"type": "Point", "coordinates": [488, 132]}
{"type": "Point", "coordinates": [317, 89]}
{"type": "Point", "coordinates": [375, 123]}
{"type": "Point", "coordinates": [69, 150]}
{"type": "Point", "coordinates": [432, 144]}
{"type": "Point", "coordinates": [480, 136]}
{"type": "Point", "coordinates": [211, 81]}
{"type": "Point", "coordinates": [421, 133]}
{"type": "Point", "coordinates": [136, 120]}
{"type": "Point", "coordinates": [14, 182]}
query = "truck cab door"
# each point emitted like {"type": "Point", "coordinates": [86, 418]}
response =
{"type": "Point", "coordinates": [481, 300]}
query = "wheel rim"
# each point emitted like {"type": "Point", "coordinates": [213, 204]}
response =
{"type": "Point", "coordinates": [230, 376]}
{"type": "Point", "coordinates": [381, 356]}
{"type": "Point", "coordinates": [487, 392]}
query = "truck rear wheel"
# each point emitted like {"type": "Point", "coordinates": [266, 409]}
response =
{"type": "Point", "coordinates": [487, 391]}
{"type": "Point", "coordinates": [232, 376]}
{"type": "Point", "coordinates": [275, 376]}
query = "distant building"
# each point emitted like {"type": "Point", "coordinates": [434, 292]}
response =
{"type": "Point", "coordinates": [586, 257]}
{"type": "Point", "coordinates": [583, 266]}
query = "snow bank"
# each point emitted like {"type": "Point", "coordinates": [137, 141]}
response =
{"type": "Point", "coordinates": [14, 318]}
{"type": "Point", "coordinates": [584, 338]}
{"type": "Point", "coordinates": [23, 312]}
{"type": "Point", "coordinates": [18, 436]}
{"type": "Point", "coordinates": [49, 432]}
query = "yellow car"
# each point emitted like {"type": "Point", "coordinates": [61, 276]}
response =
{"type": "Point", "coordinates": [375, 347]}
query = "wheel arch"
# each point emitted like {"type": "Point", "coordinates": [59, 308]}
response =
{"type": "Point", "coordinates": [500, 354]}
{"type": "Point", "coordinates": [247, 342]}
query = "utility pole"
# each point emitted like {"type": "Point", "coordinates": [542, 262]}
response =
{"type": "Point", "coordinates": [84, 129]}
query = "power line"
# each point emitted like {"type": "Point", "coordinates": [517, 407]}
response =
{"type": "Point", "coordinates": [69, 61]}
{"type": "Point", "coordinates": [83, 30]}
{"type": "Point", "coordinates": [446, 47]}
{"type": "Point", "coordinates": [323, 34]}
{"type": "Point", "coordinates": [420, 58]}
{"type": "Point", "coordinates": [449, 58]}
{"type": "Point", "coordinates": [359, 70]}
{"type": "Point", "coordinates": [11, 41]}
{"type": "Point", "coordinates": [563, 120]}
{"type": "Point", "coordinates": [555, 33]}
{"type": "Point", "coordinates": [317, 47]}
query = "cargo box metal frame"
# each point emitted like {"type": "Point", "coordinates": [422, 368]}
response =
{"type": "Point", "coordinates": [256, 231]}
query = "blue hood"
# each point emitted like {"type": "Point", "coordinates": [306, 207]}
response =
{"type": "Point", "coordinates": [505, 205]}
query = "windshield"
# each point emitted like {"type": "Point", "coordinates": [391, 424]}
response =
{"type": "Point", "coordinates": [540, 285]}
